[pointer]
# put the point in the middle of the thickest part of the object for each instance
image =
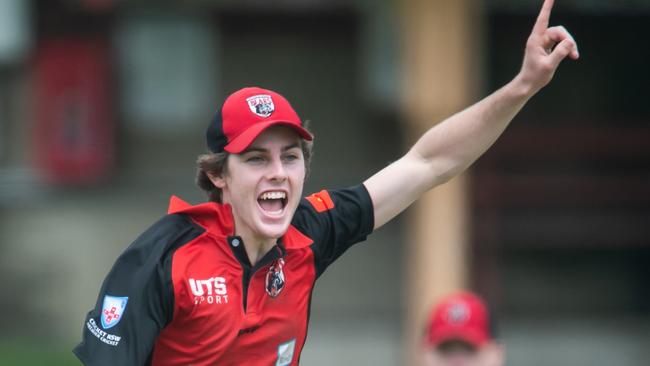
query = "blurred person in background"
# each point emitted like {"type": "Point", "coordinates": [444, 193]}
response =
{"type": "Point", "coordinates": [461, 332]}
{"type": "Point", "coordinates": [229, 282]}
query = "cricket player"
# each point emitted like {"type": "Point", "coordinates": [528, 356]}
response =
{"type": "Point", "coordinates": [229, 281]}
{"type": "Point", "coordinates": [460, 332]}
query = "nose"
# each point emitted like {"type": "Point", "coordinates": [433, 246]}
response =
{"type": "Point", "coordinates": [277, 171]}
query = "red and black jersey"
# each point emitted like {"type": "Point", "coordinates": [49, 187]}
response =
{"type": "Point", "coordinates": [185, 293]}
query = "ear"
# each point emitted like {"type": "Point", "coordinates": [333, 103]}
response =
{"type": "Point", "coordinates": [218, 180]}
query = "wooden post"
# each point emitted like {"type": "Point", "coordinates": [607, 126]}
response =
{"type": "Point", "coordinates": [441, 41]}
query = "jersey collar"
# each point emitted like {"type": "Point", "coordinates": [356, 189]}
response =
{"type": "Point", "coordinates": [217, 218]}
{"type": "Point", "coordinates": [214, 217]}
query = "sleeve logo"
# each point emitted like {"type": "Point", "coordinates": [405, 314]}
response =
{"type": "Point", "coordinates": [113, 310]}
{"type": "Point", "coordinates": [321, 201]}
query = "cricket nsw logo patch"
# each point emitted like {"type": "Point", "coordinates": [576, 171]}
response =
{"type": "Point", "coordinates": [261, 104]}
{"type": "Point", "coordinates": [113, 310]}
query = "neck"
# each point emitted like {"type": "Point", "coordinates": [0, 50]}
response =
{"type": "Point", "coordinates": [256, 248]}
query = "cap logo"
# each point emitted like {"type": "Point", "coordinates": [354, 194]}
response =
{"type": "Point", "coordinates": [261, 104]}
{"type": "Point", "coordinates": [457, 314]}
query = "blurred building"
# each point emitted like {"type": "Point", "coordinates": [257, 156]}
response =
{"type": "Point", "coordinates": [103, 109]}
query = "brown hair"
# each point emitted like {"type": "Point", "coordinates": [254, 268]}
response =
{"type": "Point", "coordinates": [216, 164]}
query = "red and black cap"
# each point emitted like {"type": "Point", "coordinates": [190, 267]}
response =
{"type": "Point", "coordinates": [461, 316]}
{"type": "Point", "coordinates": [245, 114]}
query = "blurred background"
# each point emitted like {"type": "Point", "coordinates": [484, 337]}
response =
{"type": "Point", "coordinates": [104, 104]}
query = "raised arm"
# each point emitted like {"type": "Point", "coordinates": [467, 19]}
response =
{"type": "Point", "coordinates": [454, 144]}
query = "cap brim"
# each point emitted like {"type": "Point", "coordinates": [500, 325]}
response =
{"type": "Point", "coordinates": [467, 335]}
{"type": "Point", "coordinates": [241, 142]}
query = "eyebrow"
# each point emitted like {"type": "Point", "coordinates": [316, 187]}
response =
{"type": "Point", "coordinates": [259, 149]}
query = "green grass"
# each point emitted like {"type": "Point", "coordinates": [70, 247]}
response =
{"type": "Point", "coordinates": [14, 353]}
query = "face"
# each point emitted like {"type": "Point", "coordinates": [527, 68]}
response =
{"type": "Point", "coordinates": [264, 184]}
{"type": "Point", "coordinates": [458, 353]}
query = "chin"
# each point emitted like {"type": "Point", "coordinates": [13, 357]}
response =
{"type": "Point", "coordinates": [274, 231]}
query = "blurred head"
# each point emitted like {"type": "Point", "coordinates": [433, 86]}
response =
{"type": "Point", "coordinates": [459, 333]}
{"type": "Point", "coordinates": [259, 161]}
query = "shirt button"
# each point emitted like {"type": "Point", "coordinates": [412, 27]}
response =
{"type": "Point", "coordinates": [234, 242]}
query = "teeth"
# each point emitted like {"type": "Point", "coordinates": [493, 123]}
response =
{"type": "Point", "coordinates": [274, 195]}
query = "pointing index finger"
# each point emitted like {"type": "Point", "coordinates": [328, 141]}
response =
{"type": "Point", "coordinates": [543, 18]}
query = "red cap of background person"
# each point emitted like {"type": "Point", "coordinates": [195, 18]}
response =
{"type": "Point", "coordinates": [245, 114]}
{"type": "Point", "coordinates": [462, 316]}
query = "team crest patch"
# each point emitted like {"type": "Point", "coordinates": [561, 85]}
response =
{"type": "Point", "coordinates": [285, 353]}
{"type": "Point", "coordinates": [261, 104]}
{"type": "Point", "coordinates": [275, 278]}
{"type": "Point", "coordinates": [112, 310]}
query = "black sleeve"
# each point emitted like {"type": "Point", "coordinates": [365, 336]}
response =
{"type": "Point", "coordinates": [136, 299]}
{"type": "Point", "coordinates": [334, 220]}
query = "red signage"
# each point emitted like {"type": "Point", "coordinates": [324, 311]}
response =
{"type": "Point", "coordinates": [74, 131]}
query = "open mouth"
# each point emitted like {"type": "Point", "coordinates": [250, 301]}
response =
{"type": "Point", "coordinates": [272, 202]}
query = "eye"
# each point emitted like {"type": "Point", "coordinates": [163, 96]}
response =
{"type": "Point", "coordinates": [291, 157]}
{"type": "Point", "coordinates": [255, 159]}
